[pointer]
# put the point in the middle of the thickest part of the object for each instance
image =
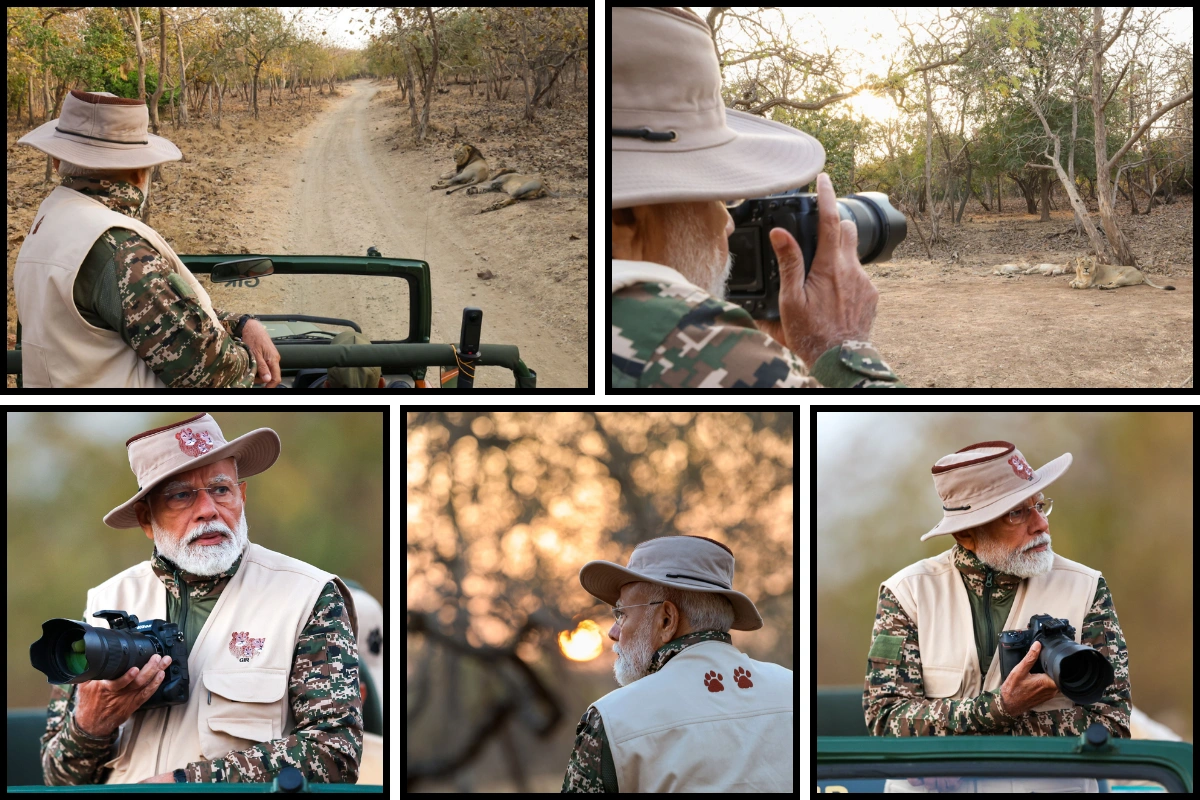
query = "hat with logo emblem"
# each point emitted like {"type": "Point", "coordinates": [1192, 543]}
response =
{"type": "Point", "coordinates": [985, 481]}
{"type": "Point", "coordinates": [160, 453]}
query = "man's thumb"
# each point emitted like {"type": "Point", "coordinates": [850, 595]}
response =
{"type": "Point", "coordinates": [791, 260]}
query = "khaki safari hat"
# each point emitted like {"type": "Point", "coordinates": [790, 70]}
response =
{"type": "Point", "coordinates": [160, 453]}
{"type": "Point", "coordinates": [984, 481]}
{"type": "Point", "coordinates": [99, 130]}
{"type": "Point", "coordinates": [672, 139]}
{"type": "Point", "coordinates": [693, 563]}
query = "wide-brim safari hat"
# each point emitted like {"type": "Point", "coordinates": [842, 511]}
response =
{"type": "Point", "coordinates": [99, 130]}
{"type": "Point", "coordinates": [693, 563]}
{"type": "Point", "coordinates": [158, 454]}
{"type": "Point", "coordinates": [672, 140]}
{"type": "Point", "coordinates": [984, 481]}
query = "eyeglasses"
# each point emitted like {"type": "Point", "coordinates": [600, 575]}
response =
{"type": "Point", "coordinates": [733, 203]}
{"type": "Point", "coordinates": [619, 613]}
{"type": "Point", "coordinates": [1017, 516]}
{"type": "Point", "coordinates": [223, 495]}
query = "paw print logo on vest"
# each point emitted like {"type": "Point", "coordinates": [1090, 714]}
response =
{"type": "Point", "coordinates": [1022, 469]}
{"type": "Point", "coordinates": [713, 681]}
{"type": "Point", "coordinates": [742, 678]}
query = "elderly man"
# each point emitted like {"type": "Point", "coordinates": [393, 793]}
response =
{"type": "Point", "coordinates": [677, 153]}
{"type": "Point", "coordinates": [933, 670]}
{"type": "Point", "coordinates": [694, 714]}
{"type": "Point", "coordinates": [103, 299]}
{"type": "Point", "coordinates": [272, 659]}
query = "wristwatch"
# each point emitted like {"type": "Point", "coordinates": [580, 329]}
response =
{"type": "Point", "coordinates": [180, 776]}
{"type": "Point", "coordinates": [237, 330]}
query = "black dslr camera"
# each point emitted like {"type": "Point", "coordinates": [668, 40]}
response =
{"type": "Point", "coordinates": [72, 652]}
{"type": "Point", "coordinates": [754, 280]}
{"type": "Point", "coordinates": [1081, 673]}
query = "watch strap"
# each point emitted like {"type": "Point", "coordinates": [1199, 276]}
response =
{"type": "Point", "coordinates": [241, 324]}
{"type": "Point", "coordinates": [180, 776]}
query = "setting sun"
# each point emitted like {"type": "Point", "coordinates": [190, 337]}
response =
{"type": "Point", "coordinates": [582, 644]}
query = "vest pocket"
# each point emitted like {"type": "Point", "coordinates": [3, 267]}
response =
{"type": "Point", "coordinates": [942, 681]}
{"type": "Point", "coordinates": [240, 708]}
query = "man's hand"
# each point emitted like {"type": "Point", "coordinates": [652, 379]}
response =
{"type": "Point", "coordinates": [103, 705]}
{"type": "Point", "coordinates": [255, 335]}
{"type": "Point", "coordinates": [1022, 691]}
{"type": "Point", "coordinates": [836, 301]}
{"type": "Point", "coordinates": [166, 777]}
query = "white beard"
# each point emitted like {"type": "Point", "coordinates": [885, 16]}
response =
{"type": "Point", "coordinates": [1020, 562]}
{"type": "Point", "coordinates": [203, 559]}
{"type": "Point", "coordinates": [633, 661]}
{"type": "Point", "coordinates": [687, 253]}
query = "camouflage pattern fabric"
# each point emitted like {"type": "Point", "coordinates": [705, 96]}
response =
{"type": "Point", "coordinates": [326, 743]}
{"type": "Point", "coordinates": [674, 336]}
{"type": "Point", "coordinates": [590, 768]}
{"type": "Point", "coordinates": [894, 701]}
{"type": "Point", "coordinates": [152, 308]}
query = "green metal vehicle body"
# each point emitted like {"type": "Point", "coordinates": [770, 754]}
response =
{"type": "Point", "coordinates": [303, 339]}
{"type": "Point", "coordinates": [849, 760]}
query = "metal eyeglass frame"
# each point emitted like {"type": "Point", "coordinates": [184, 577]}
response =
{"type": "Point", "coordinates": [196, 493]}
{"type": "Point", "coordinates": [1044, 508]}
{"type": "Point", "coordinates": [619, 613]}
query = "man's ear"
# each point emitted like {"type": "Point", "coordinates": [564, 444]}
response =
{"type": "Point", "coordinates": [142, 509]}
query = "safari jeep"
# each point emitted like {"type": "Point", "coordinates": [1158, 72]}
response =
{"type": "Point", "coordinates": [848, 760]}
{"type": "Point", "coordinates": [398, 325]}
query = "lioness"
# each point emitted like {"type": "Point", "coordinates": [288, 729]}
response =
{"type": "Point", "coordinates": [1106, 276]}
{"type": "Point", "coordinates": [472, 168]}
{"type": "Point", "coordinates": [519, 187]}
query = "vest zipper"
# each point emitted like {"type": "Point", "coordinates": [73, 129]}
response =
{"type": "Point", "coordinates": [987, 610]}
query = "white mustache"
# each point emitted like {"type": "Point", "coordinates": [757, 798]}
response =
{"type": "Point", "coordinates": [1041, 541]}
{"type": "Point", "coordinates": [210, 528]}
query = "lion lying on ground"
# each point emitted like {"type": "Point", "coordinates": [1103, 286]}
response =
{"type": "Point", "coordinates": [1040, 269]}
{"type": "Point", "coordinates": [472, 168]}
{"type": "Point", "coordinates": [518, 187]}
{"type": "Point", "coordinates": [1106, 276]}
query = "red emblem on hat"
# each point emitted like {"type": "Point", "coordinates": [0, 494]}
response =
{"type": "Point", "coordinates": [1021, 468]}
{"type": "Point", "coordinates": [243, 647]}
{"type": "Point", "coordinates": [194, 444]}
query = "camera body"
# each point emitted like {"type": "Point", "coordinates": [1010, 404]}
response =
{"type": "Point", "coordinates": [754, 279]}
{"type": "Point", "coordinates": [1081, 673]}
{"type": "Point", "coordinates": [74, 652]}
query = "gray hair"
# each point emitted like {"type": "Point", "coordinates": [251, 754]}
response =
{"type": "Point", "coordinates": [704, 611]}
{"type": "Point", "coordinates": [68, 170]}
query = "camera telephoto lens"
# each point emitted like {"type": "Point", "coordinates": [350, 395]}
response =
{"type": "Point", "coordinates": [72, 652]}
{"type": "Point", "coordinates": [1082, 673]}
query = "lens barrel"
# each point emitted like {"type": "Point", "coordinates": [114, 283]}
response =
{"type": "Point", "coordinates": [1081, 673]}
{"type": "Point", "coordinates": [72, 652]}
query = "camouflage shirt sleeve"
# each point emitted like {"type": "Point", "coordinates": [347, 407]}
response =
{"type": "Point", "coordinates": [163, 322]}
{"type": "Point", "coordinates": [326, 744]}
{"type": "Point", "coordinates": [69, 756]}
{"type": "Point", "coordinates": [590, 768]}
{"type": "Point", "coordinates": [677, 336]}
{"type": "Point", "coordinates": [894, 701]}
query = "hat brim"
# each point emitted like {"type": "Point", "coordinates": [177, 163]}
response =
{"type": "Point", "coordinates": [100, 155]}
{"type": "Point", "coordinates": [603, 580]}
{"type": "Point", "coordinates": [765, 157]}
{"type": "Point", "coordinates": [1045, 476]}
{"type": "Point", "coordinates": [255, 452]}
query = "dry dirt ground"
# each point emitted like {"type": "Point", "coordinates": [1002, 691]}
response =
{"type": "Point", "coordinates": [950, 323]}
{"type": "Point", "coordinates": [333, 175]}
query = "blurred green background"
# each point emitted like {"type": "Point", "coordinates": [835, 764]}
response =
{"type": "Point", "coordinates": [321, 502]}
{"type": "Point", "coordinates": [1124, 507]}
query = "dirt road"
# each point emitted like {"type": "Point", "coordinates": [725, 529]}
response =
{"type": "Point", "coordinates": [341, 184]}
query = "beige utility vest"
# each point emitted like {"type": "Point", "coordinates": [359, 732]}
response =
{"type": "Point", "coordinates": [669, 732]}
{"type": "Point", "coordinates": [58, 347]}
{"type": "Point", "coordinates": [934, 597]}
{"type": "Point", "coordinates": [238, 668]}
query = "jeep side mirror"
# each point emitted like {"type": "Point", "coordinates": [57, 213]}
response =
{"type": "Point", "coordinates": [241, 269]}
